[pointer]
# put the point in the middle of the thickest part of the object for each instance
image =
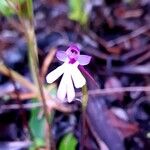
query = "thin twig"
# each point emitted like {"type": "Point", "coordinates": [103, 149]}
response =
{"type": "Point", "coordinates": [22, 112]}
{"type": "Point", "coordinates": [106, 91]}
{"type": "Point", "coordinates": [141, 59]}
{"type": "Point", "coordinates": [17, 77]}
{"type": "Point", "coordinates": [22, 96]}
{"type": "Point", "coordinates": [62, 107]}
{"type": "Point", "coordinates": [125, 38]}
{"type": "Point", "coordinates": [130, 69]}
{"type": "Point", "coordinates": [132, 54]}
{"type": "Point", "coordinates": [100, 40]}
{"type": "Point", "coordinates": [114, 90]}
{"type": "Point", "coordinates": [46, 63]}
{"type": "Point", "coordinates": [16, 25]}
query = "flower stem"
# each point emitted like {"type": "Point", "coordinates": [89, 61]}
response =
{"type": "Point", "coordinates": [84, 97]}
{"type": "Point", "coordinates": [84, 104]}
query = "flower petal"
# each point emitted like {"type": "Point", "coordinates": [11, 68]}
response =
{"type": "Point", "coordinates": [77, 77]}
{"type": "Point", "coordinates": [70, 89]}
{"type": "Point", "coordinates": [84, 59]}
{"type": "Point", "coordinates": [61, 55]}
{"type": "Point", "coordinates": [55, 74]}
{"type": "Point", "coordinates": [62, 89]}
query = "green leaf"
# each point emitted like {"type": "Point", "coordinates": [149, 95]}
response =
{"type": "Point", "coordinates": [77, 12]}
{"type": "Point", "coordinates": [68, 142]}
{"type": "Point", "coordinates": [38, 142]}
{"type": "Point", "coordinates": [5, 8]}
{"type": "Point", "coordinates": [37, 126]}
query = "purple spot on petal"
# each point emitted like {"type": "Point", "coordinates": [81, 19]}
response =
{"type": "Point", "coordinates": [72, 61]}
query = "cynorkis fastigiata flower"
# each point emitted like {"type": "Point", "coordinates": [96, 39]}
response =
{"type": "Point", "coordinates": [70, 71]}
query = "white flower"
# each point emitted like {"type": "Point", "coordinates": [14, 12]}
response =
{"type": "Point", "coordinates": [71, 74]}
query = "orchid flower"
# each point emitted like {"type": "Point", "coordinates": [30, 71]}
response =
{"type": "Point", "coordinates": [70, 71]}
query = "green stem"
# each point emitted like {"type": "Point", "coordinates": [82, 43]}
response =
{"type": "Point", "coordinates": [84, 97]}
{"type": "Point", "coordinates": [84, 105]}
{"type": "Point", "coordinates": [33, 57]}
{"type": "Point", "coordinates": [27, 16]}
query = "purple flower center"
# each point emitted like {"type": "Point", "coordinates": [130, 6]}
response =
{"type": "Point", "coordinates": [73, 51]}
{"type": "Point", "coordinates": [73, 55]}
{"type": "Point", "coordinates": [72, 61]}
